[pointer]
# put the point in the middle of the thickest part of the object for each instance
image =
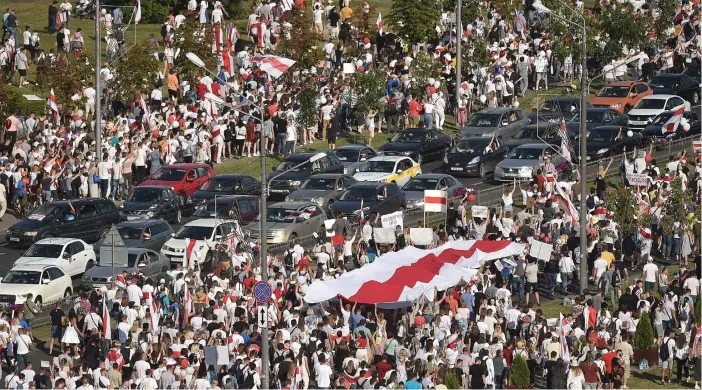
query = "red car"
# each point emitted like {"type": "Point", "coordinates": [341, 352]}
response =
{"type": "Point", "coordinates": [184, 179]}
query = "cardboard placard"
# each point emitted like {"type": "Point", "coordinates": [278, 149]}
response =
{"type": "Point", "coordinates": [217, 355]}
{"type": "Point", "coordinates": [541, 250]}
{"type": "Point", "coordinates": [384, 235]}
{"type": "Point", "coordinates": [421, 236]}
{"type": "Point", "coordinates": [479, 212]}
{"type": "Point", "coordinates": [637, 179]}
{"type": "Point", "coordinates": [392, 220]}
{"type": "Point", "coordinates": [329, 227]}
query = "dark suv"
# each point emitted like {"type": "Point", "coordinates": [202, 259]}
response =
{"type": "Point", "coordinates": [295, 169]}
{"type": "Point", "coordinates": [91, 221]}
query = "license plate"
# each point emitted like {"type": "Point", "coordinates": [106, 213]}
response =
{"type": "Point", "coordinates": [279, 190]}
{"type": "Point", "coordinates": [15, 239]}
{"type": "Point", "coordinates": [637, 123]}
{"type": "Point", "coordinates": [456, 168]}
{"type": "Point", "coordinates": [132, 217]}
{"type": "Point", "coordinates": [176, 259]}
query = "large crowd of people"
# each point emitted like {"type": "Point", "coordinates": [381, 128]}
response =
{"type": "Point", "coordinates": [161, 328]}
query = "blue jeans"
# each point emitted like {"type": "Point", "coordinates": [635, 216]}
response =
{"type": "Point", "coordinates": [428, 121]}
{"type": "Point", "coordinates": [552, 278]}
{"type": "Point", "coordinates": [676, 246]}
{"type": "Point", "coordinates": [564, 280]}
{"type": "Point", "coordinates": [47, 196]}
{"type": "Point", "coordinates": [13, 31]}
{"type": "Point", "coordinates": [667, 246]}
{"type": "Point", "coordinates": [518, 287]}
{"type": "Point", "coordinates": [22, 362]}
{"type": "Point", "coordinates": [289, 147]}
{"type": "Point", "coordinates": [117, 187]}
{"type": "Point", "coordinates": [281, 143]}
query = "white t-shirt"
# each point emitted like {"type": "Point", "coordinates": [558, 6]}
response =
{"type": "Point", "coordinates": [601, 265]}
{"type": "Point", "coordinates": [317, 15]}
{"type": "Point", "coordinates": [649, 271]}
{"type": "Point", "coordinates": [693, 284]}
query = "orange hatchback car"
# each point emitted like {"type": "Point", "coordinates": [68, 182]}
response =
{"type": "Point", "coordinates": [621, 95]}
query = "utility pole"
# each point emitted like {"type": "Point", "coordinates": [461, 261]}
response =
{"type": "Point", "coordinates": [263, 236]}
{"type": "Point", "coordinates": [583, 164]}
{"type": "Point", "coordinates": [459, 41]}
{"type": "Point", "coordinates": [98, 93]}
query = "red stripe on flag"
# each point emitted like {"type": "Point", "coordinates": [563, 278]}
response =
{"type": "Point", "coordinates": [434, 199]}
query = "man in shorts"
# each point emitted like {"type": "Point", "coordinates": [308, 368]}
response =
{"type": "Point", "coordinates": [667, 365]}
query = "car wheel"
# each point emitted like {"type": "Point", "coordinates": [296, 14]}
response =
{"type": "Point", "coordinates": [90, 265]}
{"type": "Point", "coordinates": [38, 301]}
{"type": "Point", "coordinates": [695, 98]}
{"type": "Point", "coordinates": [67, 294]}
{"type": "Point", "coordinates": [481, 170]}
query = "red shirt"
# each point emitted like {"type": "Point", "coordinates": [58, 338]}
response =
{"type": "Point", "coordinates": [201, 90]}
{"type": "Point", "coordinates": [607, 358]}
{"type": "Point", "coordinates": [540, 180]}
{"type": "Point", "coordinates": [215, 88]}
{"type": "Point", "coordinates": [249, 282]}
{"type": "Point", "coordinates": [507, 353]}
{"type": "Point", "coordinates": [382, 368]}
{"type": "Point", "coordinates": [272, 109]}
{"type": "Point", "coordinates": [303, 264]}
{"type": "Point", "coordinates": [592, 317]}
{"type": "Point", "coordinates": [590, 371]}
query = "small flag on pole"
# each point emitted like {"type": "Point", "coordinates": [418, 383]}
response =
{"type": "Point", "coordinates": [672, 124]}
{"type": "Point", "coordinates": [435, 201]}
{"type": "Point", "coordinates": [106, 319]}
{"type": "Point", "coordinates": [137, 16]}
{"type": "Point", "coordinates": [51, 102]}
{"type": "Point", "coordinates": [379, 23]}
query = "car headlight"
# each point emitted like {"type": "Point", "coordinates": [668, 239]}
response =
{"type": "Point", "coordinates": [150, 214]}
{"type": "Point", "coordinates": [475, 160]}
{"type": "Point", "coordinates": [30, 234]}
{"type": "Point", "coordinates": [498, 170]}
{"type": "Point", "coordinates": [278, 233]}
{"type": "Point", "coordinates": [319, 200]}
{"type": "Point", "coordinates": [603, 150]}
{"type": "Point", "coordinates": [615, 106]}
{"type": "Point", "coordinates": [154, 207]}
{"type": "Point", "coordinates": [85, 277]}
{"type": "Point", "coordinates": [406, 153]}
{"type": "Point", "coordinates": [295, 182]}
{"type": "Point", "coordinates": [346, 171]}
{"type": "Point", "coordinates": [22, 296]}
{"type": "Point", "coordinates": [358, 212]}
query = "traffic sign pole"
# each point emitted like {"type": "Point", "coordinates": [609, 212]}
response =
{"type": "Point", "coordinates": [262, 293]}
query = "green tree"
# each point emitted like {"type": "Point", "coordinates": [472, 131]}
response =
{"type": "Point", "coordinates": [370, 88]}
{"type": "Point", "coordinates": [452, 381]}
{"type": "Point", "coordinates": [643, 338]}
{"type": "Point", "coordinates": [519, 373]}
{"type": "Point", "coordinates": [675, 207]}
{"type": "Point", "coordinates": [10, 101]}
{"type": "Point", "coordinates": [620, 28]}
{"type": "Point", "coordinates": [305, 46]}
{"type": "Point", "coordinates": [191, 38]}
{"type": "Point", "coordinates": [69, 76]}
{"type": "Point", "coordinates": [414, 20]}
{"type": "Point", "coordinates": [422, 68]}
{"type": "Point", "coordinates": [307, 117]}
{"type": "Point", "coordinates": [133, 72]}
{"type": "Point", "coordinates": [624, 205]}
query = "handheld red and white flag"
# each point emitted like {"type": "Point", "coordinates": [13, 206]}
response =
{"type": "Point", "coordinates": [137, 14]}
{"type": "Point", "coordinates": [51, 102]}
{"type": "Point", "coordinates": [379, 23]}
{"type": "Point", "coordinates": [146, 120]}
{"type": "Point", "coordinates": [217, 36]}
{"type": "Point", "coordinates": [155, 315]}
{"type": "Point", "coordinates": [190, 254]}
{"type": "Point", "coordinates": [672, 124]}
{"type": "Point", "coordinates": [106, 319]}
{"type": "Point", "coordinates": [566, 147]}
{"type": "Point", "coordinates": [570, 207]}
{"type": "Point", "coordinates": [435, 201]}
{"type": "Point", "coordinates": [563, 329]}
{"type": "Point", "coordinates": [361, 216]}
{"type": "Point", "coordinates": [275, 66]}
{"type": "Point", "coordinates": [187, 306]}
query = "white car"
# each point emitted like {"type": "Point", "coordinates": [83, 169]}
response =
{"type": "Point", "coordinates": [650, 106]}
{"type": "Point", "coordinates": [47, 283]}
{"type": "Point", "coordinates": [206, 232]}
{"type": "Point", "coordinates": [391, 169]}
{"type": "Point", "coordinates": [72, 255]}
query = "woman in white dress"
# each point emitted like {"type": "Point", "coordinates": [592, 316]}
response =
{"type": "Point", "coordinates": [70, 334]}
{"type": "Point", "coordinates": [203, 12]}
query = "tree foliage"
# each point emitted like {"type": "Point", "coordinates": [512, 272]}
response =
{"type": "Point", "coordinates": [452, 381]}
{"type": "Point", "coordinates": [68, 77]}
{"type": "Point", "coordinates": [307, 117]}
{"type": "Point", "coordinates": [422, 68]}
{"type": "Point", "coordinates": [133, 73]}
{"type": "Point", "coordinates": [623, 204]}
{"type": "Point", "coordinates": [305, 45]}
{"type": "Point", "coordinates": [643, 338]}
{"type": "Point", "coordinates": [675, 207]}
{"type": "Point", "coordinates": [370, 88]}
{"type": "Point", "coordinates": [621, 30]}
{"type": "Point", "coordinates": [519, 373]}
{"type": "Point", "coordinates": [10, 100]}
{"type": "Point", "coordinates": [190, 37]}
{"type": "Point", "coordinates": [414, 20]}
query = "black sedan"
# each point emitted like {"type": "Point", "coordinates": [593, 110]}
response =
{"type": "Point", "coordinates": [597, 117]}
{"type": "Point", "coordinates": [608, 141]}
{"type": "Point", "coordinates": [149, 234]}
{"type": "Point", "coordinates": [654, 131]}
{"type": "Point", "coordinates": [676, 84]}
{"type": "Point", "coordinates": [557, 108]}
{"type": "Point", "coordinates": [541, 132]}
{"type": "Point", "coordinates": [375, 198]}
{"type": "Point", "coordinates": [419, 144]}
{"type": "Point", "coordinates": [221, 185]}
{"type": "Point", "coordinates": [152, 202]}
{"type": "Point", "coordinates": [471, 156]}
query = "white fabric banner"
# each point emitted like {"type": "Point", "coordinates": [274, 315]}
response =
{"type": "Point", "coordinates": [421, 236]}
{"type": "Point", "coordinates": [384, 235]}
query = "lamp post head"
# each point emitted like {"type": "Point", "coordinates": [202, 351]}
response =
{"type": "Point", "coordinates": [539, 6]}
{"type": "Point", "coordinates": [195, 59]}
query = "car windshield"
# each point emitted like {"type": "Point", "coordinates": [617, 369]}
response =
{"type": "Point", "coordinates": [169, 174]}
{"type": "Point", "coordinates": [131, 260]}
{"type": "Point", "coordinates": [378, 166]}
{"type": "Point", "coordinates": [601, 135]}
{"type": "Point", "coordinates": [221, 185]}
{"type": "Point", "coordinates": [289, 165]}
{"type": "Point", "coordinates": [360, 193]}
{"type": "Point", "coordinates": [409, 136]}
{"type": "Point", "coordinates": [44, 250]}
{"type": "Point", "coordinates": [564, 107]}
{"type": "Point", "coordinates": [650, 104]}
{"type": "Point", "coordinates": [525, 154]}
{"type": "Point", "coordinates": [46, 211]}
{"type": "Point", "coordinates": [318, 183]}
{"type": "Point", "coordinates": [279, 215]}
{"type": "Point", "coordinates": [207, 210]}
{"type": "Point", "coordinates": [420, 184]}
{"type": "Point", "coordinates": [592, 117]}
{"type": "Point", "coordinates": [665, 82]}
{"type": "Point", "coordinates": [130, 233]}
{"type": "Point", "coordinates": [21, 277]}
{"type": "Point", "coordinates": [195, 232]}
{"type": "Point", "coordinates": [470, 146]}
{"type": "Point", "coordinates": [347, 155]}
{"type": "Point", "coordinates": [528, 133]}
{"type": "Point", "coordinates": [619, 92]}
{"type": "Point", "coordinates": [145, 195]}
{"type": "Point", "coordinates": [484, 120]}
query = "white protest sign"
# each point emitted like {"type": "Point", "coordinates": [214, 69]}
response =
{"type": "Point", "coordinates": [479, 212]}
{"type": "Point", "coordinates": [349, 68]}
{"type": "Point", "coordinates": [421, 236]}
{"type": "Point", "coordinates": [540, 250]}
{"type": "Point", "coordinates": [384, 235]}
{"type": "Point", "coordinates": [392, 220]}
{"type": "Point", "coordinates": [637, 179]}
{"type": "Point", "coordinates": [329, 227]}
{"type": "Point", "coordinates": [217, 355]}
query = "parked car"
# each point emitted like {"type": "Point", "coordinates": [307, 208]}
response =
{"type": "Point", "coordinates": [222, 185]}
{"type": "Point", "coordinates": [557, 109]}
{"type": "Point", "coordinates": [88, 219]}
{"type": "Point", "coordinates": [414, 189]}
{"type": "Point", "coordinates": [504, 122]}
{"type": "Point", "coordinates": [621, 95]}
{"type": "Point", "coordinates": [152, 202]}
{"type": "Point", "coordinates": [322, 189]}
{"type": "Point", "coordinates": [676, 84]}
{"type": "Point", "coordinates": [73, 255]}
{"type": "Point", "coordinates": [654, 131]}
{"type": "Point", "coordinates": [205, 232]}
{"type": "Point", "coordinates": [608, 141]}
{"type": "Point", "coordinates": [647, 108]}
{"type": "Point", "coordinates": [471, 156]}
{"type": "Point", "coordinates": [418, 144]}
{"type": "Point", "coordinates": [286, 221]}
{"type": "Point", "coordinates": [184, 179]}
{"type": "Point", "coordinates": [45, 282]}
{"type": "Point", "coordinates": [142, 260]}
{"type": "Point", "coordinates": [537, 132]}
{"type": "Point", "coordinates": [242, 208]}
{"type": "Point", "coordinates": [149, 234]}
{"type": "Point", "coordinates": [295, 169]}
{"type": "Point", "coordinates": [353, 156]}
{"type": "Point", "coordinates": [692, 71]}
{"type": "Point", "coordinates": [596, 117]}
{"type": "Point", "coordinates": [391, 169]}
{"type": "Point", "coordinates": [521, 163]}
{"type": "Point", "coordinates": [376, 198]}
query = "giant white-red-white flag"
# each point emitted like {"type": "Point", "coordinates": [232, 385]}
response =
{"type": "Point", "coordinates": [51, 102]}
{"type": "Point", "coordinates": [566, 147]}
{"type": "Point", "coordinates": [275, 66]}
{"type": "Point", "coordinates": [106, 319]}
{"type": "Point", "coordinates": [435, 201]}
{"type": "Point", "coordinates": [672, 124]}
{"type": "Point", "coordinates": [379, 23]}
{"type": "Point", "coordinates": [137, 14]}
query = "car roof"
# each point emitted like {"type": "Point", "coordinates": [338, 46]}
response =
{"type": "Point", "coordinates": [368, 184]}
{"type": "Point", "coordinates": [154, 187]}
{"type": "Point", "coordinates": [659, 97]}
{"type": "Point", "coordinates": [499, 110]}
{"type": "Point", "coordinates": [141, 223]}
{"type": "Point", "coordinates": [230, 198]}
{"type": "Point", "coordinates": [432, 176]}
{"type": "Point", "coordinates": [291, 205]}
{"type": "Point", "coordinates": [598, 109]}
{"type": "Point", "coordinates": [230, 176]}
{"type": "Point", "coordinates": [187, 166]}
{"type": "Point", "coordinates": [565, 99]}
{"type": "Point", "coordinates": [534, 146]}
{"type": "Point", "coordinates": [609, 128]}
{"type": "Point", "coordinates": [75, 202]}
{"type": "Point", "coordinates": [38, 267]}
{"type": "Point", "coordinates": [353, 147]}
{"type": "Point", "coordinates": [56, 241]}
{"type": "Point", "coordinates": [301, 156]}
{"type": "Point", "coordinates": [387, 158]}
{"type": "Point", "coordinates": [327, 176]}
{"type": "Point", "coordinates": [205, 222]}
{"type": "Point", "coordinates": [668, 75]}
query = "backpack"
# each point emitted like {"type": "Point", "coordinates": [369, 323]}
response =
{"type": "Point", "coordinates": [590, 202]}
{"type": "Point", "coordinates": [249, 381]}
{"type": "Point", "coordinates": [664, 352]}
{"type": "Point", "coordinates": [288, 259]}
{"type": "Point", "coordinates": [75, 43]}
